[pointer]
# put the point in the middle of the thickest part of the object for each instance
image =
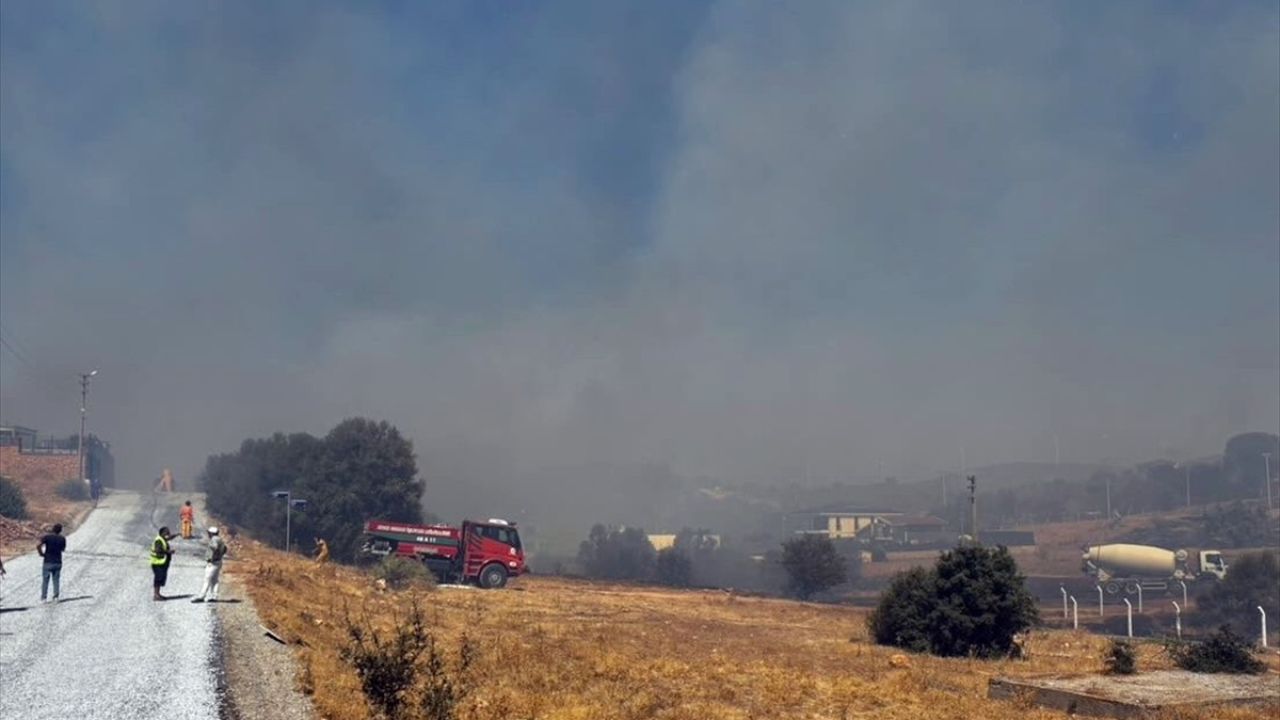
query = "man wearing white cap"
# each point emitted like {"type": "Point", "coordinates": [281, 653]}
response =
{"type": "Point", "coordinates": [212, 566]}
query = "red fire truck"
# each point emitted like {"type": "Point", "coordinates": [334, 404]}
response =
{"type": "Point", "coordinates": [484, 552]}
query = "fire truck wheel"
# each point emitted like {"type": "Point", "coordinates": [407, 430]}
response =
{"type": "Point", "coordinates": [493, 577]}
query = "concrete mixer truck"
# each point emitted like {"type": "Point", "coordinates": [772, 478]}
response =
{"type": "Point", "coordinates": [1119, 566]}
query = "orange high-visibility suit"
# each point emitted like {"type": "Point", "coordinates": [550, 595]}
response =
{"type": "Point", "coordinates": [188, 515]}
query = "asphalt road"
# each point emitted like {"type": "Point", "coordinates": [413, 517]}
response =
{"type": "Point", "coordinates": [107, 650]}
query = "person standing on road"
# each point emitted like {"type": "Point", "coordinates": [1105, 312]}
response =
{"type": "Point", "coordinates": [212, 567]}
{"type": "Point", "coordinates": [188, 515]}
{"type": "Point", "coordinates": [161, 555]}
{"type": "Point", "coordinates": [50, 548]}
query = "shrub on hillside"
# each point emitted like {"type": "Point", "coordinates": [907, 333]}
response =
{"type": "Point", "coordinates": [404, 674]}
{"type": "Point", "coordinates": [387, 666]}
{"type": "Point", "coordinates": [12, 502]}
{"type": "Point", "coordinates": [400, 573]}
{"type": "Point", "coordinates": [72, 489]}
{"type": "Point", "coordinates": [812, 564]}
{"type": "Point", "coordinates": [1222, 652]}
{"type": "Point", "coordinates": [1120, 658]}
{"type": "Point", "coordinates": [973, 602]}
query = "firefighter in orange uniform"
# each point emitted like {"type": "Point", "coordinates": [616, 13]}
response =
{"type": "Point", "coordinates": [188, 515]}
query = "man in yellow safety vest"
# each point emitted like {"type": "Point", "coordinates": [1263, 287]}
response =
{"type": "Point", "coordinates": [161, 554]}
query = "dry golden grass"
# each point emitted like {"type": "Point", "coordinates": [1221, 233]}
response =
{"type": "Point", "coordinates": [568, 650]}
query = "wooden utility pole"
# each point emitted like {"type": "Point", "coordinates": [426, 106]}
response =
{"type": "Point", "coordinates": [973, 507]}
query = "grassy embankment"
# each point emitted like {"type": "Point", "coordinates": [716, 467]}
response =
{"type": "Point", "coordinates": [44, 508]}
{"type": "Point", "coordinates": [553, 648]}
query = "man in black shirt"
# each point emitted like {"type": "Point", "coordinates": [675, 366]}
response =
{"type": "Point", "coordinates": [50, 548]}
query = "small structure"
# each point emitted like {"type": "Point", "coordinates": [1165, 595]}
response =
{"type": "Point", "coordinates": [868, 525]}
{"type": "Point", "coordinates": [1137, 696]}
{"type": "Point", "coordinates": [662, 541]}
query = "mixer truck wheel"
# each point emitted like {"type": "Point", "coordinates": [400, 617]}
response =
{"type": "Point", "coordinates": [1112, 588]}
{"type": "Point", "coordinates": [1131, 588]}
{"type": "Point", "coordinates": [493, 576]}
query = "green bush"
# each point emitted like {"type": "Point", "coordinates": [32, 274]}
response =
{"type": "Point", "coordinates": [400, 573]}
{"type": "Point", "coordinates": [812, 564]}
{"type": "Point", "coordinates": [1121, 658]}
{"type": "Point", "coordinates": [12, 503]}
{"type": "Point", "coordinates": [973, 602]}
{"type": "Point", "coordinates": [72, 489]}
{"type": "Point", "coordinates": [1222, 652]}
{"type": "Point", "coordinates": [899, 619]}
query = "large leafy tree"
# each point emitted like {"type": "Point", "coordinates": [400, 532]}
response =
{"type": "Point", "coordinates": [362, 469]}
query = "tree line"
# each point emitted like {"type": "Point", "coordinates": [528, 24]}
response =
{"type": "Point", "coordinates": [361, 469]}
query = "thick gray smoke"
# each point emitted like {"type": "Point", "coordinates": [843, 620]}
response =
{"type": "Point", "coordinates": [765, 241]}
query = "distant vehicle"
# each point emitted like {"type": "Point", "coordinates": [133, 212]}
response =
{"type": "Point", "coordinates": [1119, 566]}
{"type": "Point", "coordinates": [484, 552]}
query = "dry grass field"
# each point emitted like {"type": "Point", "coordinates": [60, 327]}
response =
{"type": "Point", "coordinates": [558, 649]}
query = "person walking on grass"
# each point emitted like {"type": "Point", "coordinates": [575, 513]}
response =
{"type": "Point", "coordinates": [50, 548]}
{"type": "Point", "coordinates": [212, 566]}
{"type": "Point", "coordinates": [161, 555]}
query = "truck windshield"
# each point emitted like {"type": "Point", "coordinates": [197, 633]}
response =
{"type": "Point", "coordinates": [1214, 559]}
{"type": "Point", "coordinates": [502, 535]}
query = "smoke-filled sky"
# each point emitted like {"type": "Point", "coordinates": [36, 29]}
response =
{"type": "Point", "coordinates": [744, 239]}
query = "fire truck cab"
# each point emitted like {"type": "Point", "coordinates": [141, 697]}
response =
{"type": "Point", "coordinates": [484, 552]}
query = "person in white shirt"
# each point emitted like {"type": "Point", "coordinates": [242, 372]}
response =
{"type": "Point", "coordinates": [212, 566]}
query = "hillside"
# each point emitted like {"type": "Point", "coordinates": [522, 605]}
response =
{"type": "Point", "coordinates": [558, 649]}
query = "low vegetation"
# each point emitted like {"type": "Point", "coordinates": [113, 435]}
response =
{"type": "Point", "coordinates": [1222, 652]}
{"type": "Point", "coordinates": [12, 502]}
{"type": "Point", "coordinates": [973, 602]}
{"type": "Point", "coordinates": [401, 574]}
{"type": "Point", "coordinates": [1121, 658]}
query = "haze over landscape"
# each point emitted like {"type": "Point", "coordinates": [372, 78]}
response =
{"type": "Point", "coordinates": [764, 241]}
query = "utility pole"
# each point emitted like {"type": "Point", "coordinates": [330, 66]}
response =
{"type": "Point", "coordinates": [84, 396]}
{"type": "Point", "coordinates": [1266, 458]}
{"type": "Point", "coordinates": [973, 507]}
{"type": "Point", "coordinates": [1188, 483]}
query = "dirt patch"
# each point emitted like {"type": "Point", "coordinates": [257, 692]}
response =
{"type": "Point", "coordinates": [1125, 696]}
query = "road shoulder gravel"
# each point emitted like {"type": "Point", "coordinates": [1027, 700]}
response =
{"type": "Point", "coordinates": [260, 672]}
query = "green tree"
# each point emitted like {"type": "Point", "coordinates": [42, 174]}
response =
{"type": "Point", "coordinates": [901, 617]}
{"type": "Point", "coordinates": [617, 554]}
{"type": "Point", "coordinates": [366, 469]}
{"type": "Point", "coordinates": [673, 567]}
{"type": "Point", "coordinates": [982, 602]}
{"type": "Point", "coordinates": [812, 565]}
{"type": "Point", "coordinates": [973, 602]}
{"type": "Point", "coordinates": [362, 469]}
